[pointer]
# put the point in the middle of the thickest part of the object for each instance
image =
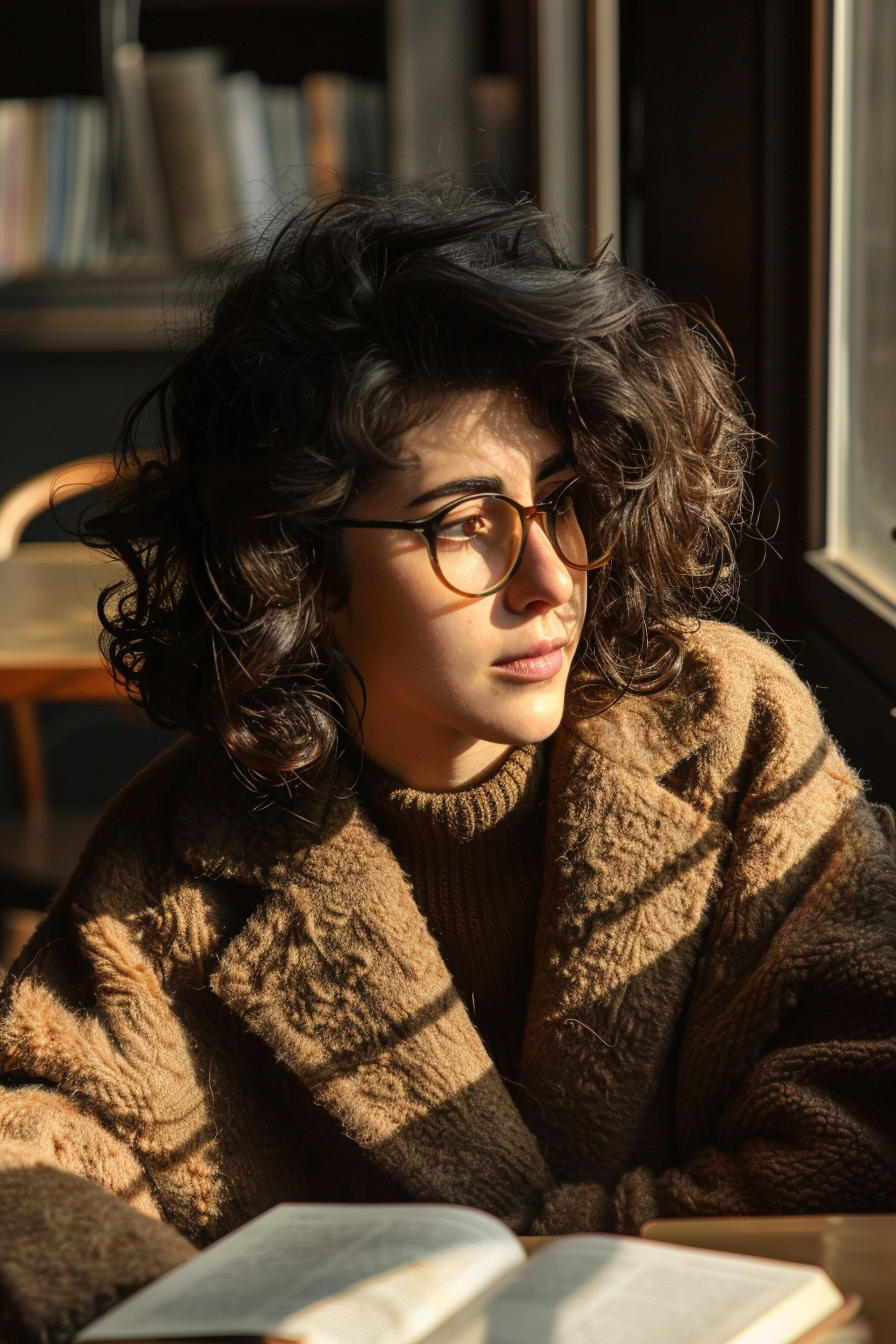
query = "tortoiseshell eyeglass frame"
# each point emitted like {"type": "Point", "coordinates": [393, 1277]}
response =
{"type": "Point", "coordinates": [428, 528]}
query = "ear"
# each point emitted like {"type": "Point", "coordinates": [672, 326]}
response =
{"type": "Point", "coordinates": [321, 632]}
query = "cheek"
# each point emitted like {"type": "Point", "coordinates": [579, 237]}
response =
{"type": "Point", "coordinates": [386, 611]}
{"type": "Point", "coordinates": [580, 597]}
{"type": "Point", "coordinates": [402, 625]}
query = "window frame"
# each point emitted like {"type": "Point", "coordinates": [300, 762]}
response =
{"type": "Point", "coordinates": [854, 616]}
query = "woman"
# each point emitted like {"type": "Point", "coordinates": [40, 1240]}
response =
{"type": "Point", "coordinates": [486, 873]}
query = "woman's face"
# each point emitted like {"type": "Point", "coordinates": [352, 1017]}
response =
{"type": "Point", "coordinates": [453, 682]}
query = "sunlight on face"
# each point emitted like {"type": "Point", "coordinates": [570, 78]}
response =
{"type": "Point", "coordinates": [454, 682]}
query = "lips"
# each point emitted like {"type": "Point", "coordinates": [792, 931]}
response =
{"type": "Point", "coordinates": [539, 663]}
{"type": "Point", "coordinates": [542, 649]}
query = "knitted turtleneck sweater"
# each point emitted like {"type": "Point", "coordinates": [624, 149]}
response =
{"type": "Point", "coordinates": [475, 860]}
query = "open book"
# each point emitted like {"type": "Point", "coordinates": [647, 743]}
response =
{"type": "Point", "coordinates": [397, 1274]}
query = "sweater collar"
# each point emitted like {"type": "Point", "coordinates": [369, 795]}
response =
{"type": "Point", "coordinates": [462, 813]}
{"type": "Point", "coordinates": [224, 830]}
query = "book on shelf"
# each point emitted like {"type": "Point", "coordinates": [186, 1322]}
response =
{"type": "Point", "coordinates": [54, 188]}
{"type": "Point", "coordinates": [346, 132]}
{"type": "Point", "coordinates": [496, 104]}
{"type": "Point", "coordinates": [249, 144]}
{"type": "Point", "coordinates": [233, 149]}
{"type": "Point", "coordinates": [84, 214]}
{"type": "Point", "coordinates": [59, 129]}
{"type": "Point", "coordinates": [398, 1274]}
{"type": "Point", "coordinates": [366, 150]}
{"type": "Point", "coordinates": [182, 156]}
{"type": "Point", "coordinates": [326, 97]}
{"type": "Point", "coordinates": [185, 96]}
{"type": "Point", "coordinates": [142, 215]}
{"type": "Point", "coordinates": [12, 180]}
{"type": "Point", "coordinates": [29, 248]}
{"type": "Point", "coordinates": [287, 116]}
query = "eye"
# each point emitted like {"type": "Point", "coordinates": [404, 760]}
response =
{"type": "Point", "coordinates": [554, 489]}
{"type": "Point", "coordinates": [463, 528]}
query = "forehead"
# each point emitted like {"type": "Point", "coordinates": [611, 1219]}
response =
{"type": "Point", "coordinates": [484, 429]}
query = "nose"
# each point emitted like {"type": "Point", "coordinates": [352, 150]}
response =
{"type": "Point", "coordinates": [542, 578]}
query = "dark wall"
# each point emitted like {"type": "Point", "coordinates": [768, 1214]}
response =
{"type": "Point", "coordinates": [716, 210]}
{"type": "Point", "coordinates": [56, 407]}
{"type": "Point", "coordinates": [692, 79]}
{"type": "Point", "coordinates": [717, 132]}
{"type": "Point", "coordinates": [61, 406]}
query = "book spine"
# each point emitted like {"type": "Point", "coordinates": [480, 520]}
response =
{"type": "Point", "coordinates": [249, 145]}
{"type": "Point", "coordinates": [4, 189]}
{"type": "Point", "coordinates": [367, 133]}
{"type": "Point", "coordinates": [428, 51]}
{"type": "Point", "coordinates": [377, 123]}
{"type": "Point", "coordinates": [496, 104]}
{"type": "Point", "coordinates": [74, 203]}
{"type": "Point", "coordinates": [287, 122]}
{"type": "Point", "coordinates": [57, 168]}
{"type": "Point", "coordinates": [74, 243]}
{"type": "Point", "coordinates": [326, 98]}
{"type": "Point", "coordinates": [31, 240]}
{"type": "Point", "coordinates": [145, 215]}
{"type": "Point", "coordinates": [185, 96]}
{"type": "Point", "coordinates": [96, 233]}
{"type": "Point", "coordinates": [12, 181]}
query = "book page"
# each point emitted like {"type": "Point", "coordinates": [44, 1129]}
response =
{"type": "Point", "coordinates": [326, 1274]}
{"type": "Point", "coordinates": [854, 1249]}
{"type": "Point", "coordinates": [591, 1290]}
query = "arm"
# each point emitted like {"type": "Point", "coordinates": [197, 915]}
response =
{"type": "Point", "coordinates": [86, 1120]}
{"type": "Point", "coordinates": [786, 1076]}
{"type": "Point", "coordinates": [69, 1250]}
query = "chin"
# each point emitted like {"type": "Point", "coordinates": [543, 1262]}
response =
{"type": "Point", "coordinates": [519, 729]}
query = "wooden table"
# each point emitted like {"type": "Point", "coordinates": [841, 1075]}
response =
{"type": "Point", "coordinates": [49, 625]}
{"type": "Point", "coordinates": [48, 646]}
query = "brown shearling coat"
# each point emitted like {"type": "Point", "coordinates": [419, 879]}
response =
{"type": "Point", "coordinates": [233, 1004]}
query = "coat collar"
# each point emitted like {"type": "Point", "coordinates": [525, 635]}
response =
{"type": "Point", "coordinates": [629, 868]}
{"type": "Point", "coordinates": [337, 972]}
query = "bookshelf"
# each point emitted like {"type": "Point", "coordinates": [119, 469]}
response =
{"type": "Point", "coordinates": [71, 313]}
{"type": "Point", "coordinates": [55, 48]}
{"type": "Point", "coordinates": [283, 40]}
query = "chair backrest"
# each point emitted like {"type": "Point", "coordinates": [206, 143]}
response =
{"type": "Point", "coordinates": [32, 497]}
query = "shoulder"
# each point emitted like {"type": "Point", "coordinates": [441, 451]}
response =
{"type": "Point", "coordinates": [141, 827]}
{"type": "Point", "coordinates": [191, 820]}
{"type": "Point", "coordinates": [745, 684]}
{"type": "Point", "coordinates": [137, 857]}
{"type": "Point", "coordinates": [730, 657]}
{"type": "Point", "coordinates": [735, 699]}
{"type": "Point", "coordinates": [139, 889]}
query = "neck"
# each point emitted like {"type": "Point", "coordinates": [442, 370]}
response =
{"type": "Point", "coordinates": [429, 769]}
{"type": "Point", "coordinates": [422, 755]}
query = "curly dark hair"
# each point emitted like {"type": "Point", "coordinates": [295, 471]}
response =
{"type": "Point", "coordinates": [346, 328]}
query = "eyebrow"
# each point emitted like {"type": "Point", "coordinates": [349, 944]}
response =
{"type": "Point", "coordinates": [487, 485]}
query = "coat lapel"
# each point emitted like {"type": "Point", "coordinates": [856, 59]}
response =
{"type": "Point", "coordinates": [630, 870]}
{"type": "Point", "coordinates": [338, 973]}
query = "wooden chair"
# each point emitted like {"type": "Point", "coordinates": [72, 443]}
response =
{"type": "Point", "coordinates": [45, 662]}
{"type": "Point", "coordinates": [27, 501]}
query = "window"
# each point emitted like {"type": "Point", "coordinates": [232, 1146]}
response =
{"type": "Point", "coordinates": [860, 547]}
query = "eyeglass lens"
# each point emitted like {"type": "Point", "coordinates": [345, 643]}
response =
{"type": "Point", "coordinates": [478, 542]}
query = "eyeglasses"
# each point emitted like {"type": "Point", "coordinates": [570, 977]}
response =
{"type": "Point", "coordinates": [476, 544]}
